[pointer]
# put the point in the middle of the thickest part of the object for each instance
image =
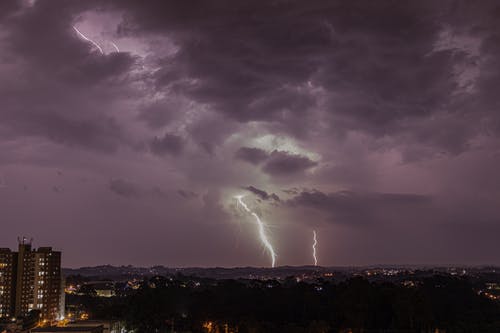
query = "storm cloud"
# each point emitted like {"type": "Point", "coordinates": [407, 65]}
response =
{"type": "Point", "coordinates": [251, 155]}
{"type": "Point", "coordinates": [368, 118]}
{"type": "Point", "coordinates": [124, 188]}
{"type": "Point", "coordinates": [360, 208]}
{"type": "Point", "coordinates": [262, 194]}
{"type": "Point", "coordinates": [169, 143]}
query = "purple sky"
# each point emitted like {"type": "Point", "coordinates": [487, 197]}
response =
{"type": "Point", "coordinates": [375, 123]}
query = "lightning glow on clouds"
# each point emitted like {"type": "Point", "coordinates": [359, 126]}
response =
{"type": "Point", "coordinates": [270, 142]}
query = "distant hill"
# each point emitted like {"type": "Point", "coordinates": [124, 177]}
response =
{"type": "Point", "coordinates": [127, 272]}
{"type": "Point", "coordinates": [115, 272]}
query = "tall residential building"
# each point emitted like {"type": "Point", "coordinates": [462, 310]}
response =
{"type": "Point", "coordinates": [47, 292]}
{"type": "Point", "coordinates": [31, 279]}
{"type": "Point", "coordinates": [25, 279]}
{"type": "Point", "coordinates": [8, 265]}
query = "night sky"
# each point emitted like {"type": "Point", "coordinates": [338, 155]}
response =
{"type": "Point", "coordinates": [128, 127]}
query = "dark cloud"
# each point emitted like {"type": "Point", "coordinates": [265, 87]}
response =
{"type": "Point", "coordinates": [43, 35]}
{"type": "Point", "coordinates": [362, 208]}
{"type": "Point", "coordinates": [168, 144]}
{"type": "Point", "coordinates": [100, 134]}
{"type": "Point", "coordinates": [186, 194]}
{"type": "Point", "coordinates": [276, 163]}
{"type": "Point", "coordinates": [275, 61]}
{"type": "Point", "coordinates": [7, 7]}
{"type": "Point", "coordinates": [251, 155]}
{"type": "Point", "coordinates": [282, 163]}
{"type": "Point", "coordinates": [260, 61]}
{"type": "Point", "coordinates": [237, 82]}
{"type": "Point", "coordinates": [129, 189]}
{"type": "Point", "coordinates": [157, 114]}
{"type": "Point", "coordinates": [291, 191]}
{"type": "Point", "coordinates": [158, 192]}
{"type": "Point", "coordinates": [210, 130]}
{"type": "Point", "coordinates": [262, 194]}
{"type": "Point", "coordinates": [60, 88]}
{"type": "Point", "coordinates": [124, 188]}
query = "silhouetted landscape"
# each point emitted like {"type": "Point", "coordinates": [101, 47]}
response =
{"type": "Point", "coordinates": [317, 300]}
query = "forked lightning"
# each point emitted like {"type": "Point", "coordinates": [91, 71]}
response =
{"type": "Point", "coordinates": [261, 228]}
{"type": "Point", "coordinates": [88, 40]}
{"type": "Point", "coordinates": [314, 248]}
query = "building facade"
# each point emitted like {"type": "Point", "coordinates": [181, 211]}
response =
{"type": "Point", "coordinates": [31, 279]}
{"type": "Point", "coordinates": [47, 291]}
{"type": "Point", "coordinates": [8, 265]}
{"type": "Point", "coordinates": [25, 280]}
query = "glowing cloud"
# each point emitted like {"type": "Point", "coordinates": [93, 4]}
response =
{"type": "Point", "coordinates": [261, 228]}
{"type": "Point", "coordinates": [88, 39]}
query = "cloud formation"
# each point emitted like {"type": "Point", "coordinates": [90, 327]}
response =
{"type": "Point", "coordinates": [262, 194]}
{"type": "Point", "coordinates": [251, 155]}
{"type": "Point", "coordinates": [361, 208]}
{"type": "Point", "coordinates": [124, 188]}
{"type": "Point", "coordinates": [277, 163]}
{"type": "Point", "coordinates": [375, 117]}
{"type": "Point", "coordinates": [282, 163]}
{"type": "Point", "coordinates": [168, 144]}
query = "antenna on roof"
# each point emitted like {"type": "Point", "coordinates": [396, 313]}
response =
{"type": "Point", "coordinates": [24, 241]}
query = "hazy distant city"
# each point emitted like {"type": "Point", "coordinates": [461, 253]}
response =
{"type": "Point", "coordinates": [37, 295]}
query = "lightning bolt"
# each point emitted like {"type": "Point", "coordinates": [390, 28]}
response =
{"type": "Point", "coordinates": [314, 248]}
{"type": "Point", "coordinates": [116, 47]}
{"type": "Point", "coordinates": [88, 39]}
{"type": "Point", "coordinates": [261, 228]}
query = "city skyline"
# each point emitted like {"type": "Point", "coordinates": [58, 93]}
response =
{"type": "Point", "coordinates": [217, 133]}
{"type": "Point", "coordinates": [31, 279]}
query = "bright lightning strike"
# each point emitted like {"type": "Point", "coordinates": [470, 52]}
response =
{"type": "Point", "coordinates": [262, 231]}
{"type": "Point", "coordinates": [116, 47]}
{"type": "Point", "coordinates": [88, 39]}
{"type": "Point", "coordinates": [314, 248]}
